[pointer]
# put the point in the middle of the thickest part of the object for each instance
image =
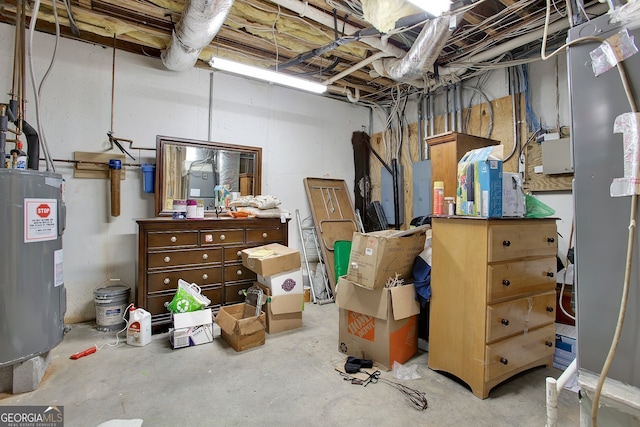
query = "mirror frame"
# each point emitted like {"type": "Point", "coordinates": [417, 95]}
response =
{"type": "Point", "coordinates": [163, 141]}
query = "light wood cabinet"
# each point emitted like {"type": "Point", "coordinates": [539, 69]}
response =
{"type": "Point", "coordinates": [446, 150]}
{"type": "Point", "coordinates": [493, 298]}
{"type": "Point", "coordinates": [201, 251]}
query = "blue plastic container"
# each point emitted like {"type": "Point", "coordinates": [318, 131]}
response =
{"type": "Point", "coordinates": [148, 177]}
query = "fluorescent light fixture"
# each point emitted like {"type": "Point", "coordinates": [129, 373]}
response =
{"type": "Point", "coordinates": [266, 75]}
{"type": "Point", "coordinates": [434, 7]}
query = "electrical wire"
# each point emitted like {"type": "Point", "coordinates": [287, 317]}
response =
{"type": "Point", "coordinates": [564, 276]}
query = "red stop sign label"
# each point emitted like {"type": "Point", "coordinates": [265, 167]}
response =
{"type": "Point", "coordinates": [43, 210]}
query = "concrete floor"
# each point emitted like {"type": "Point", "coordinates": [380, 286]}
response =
{"type": "Point", "coordinates": [288, 381]}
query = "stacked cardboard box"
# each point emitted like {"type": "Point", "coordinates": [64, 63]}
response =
{"type": "Point", "coordinates": [377, 322]}
{"type": "Point", "coordinates": [280, 277]}
{"type": "Point", "coordinates": [566, 345]}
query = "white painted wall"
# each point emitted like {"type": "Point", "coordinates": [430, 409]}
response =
{"type": "Point", "coordinates": [302, 135]}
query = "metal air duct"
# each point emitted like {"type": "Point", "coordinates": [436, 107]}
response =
{"type": "Point", "coordinates": [199, 24]}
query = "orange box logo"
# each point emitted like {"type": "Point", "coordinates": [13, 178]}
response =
{"type": "Point", "coordinates": [361, 325]}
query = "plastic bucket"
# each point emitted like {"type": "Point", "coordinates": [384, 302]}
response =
{"type": "Point", "coordinates": [148, 177]}
{"type": "Point", "coordinates": [341, 253]}
{"type": "Point", "coordinates": [111, 303]}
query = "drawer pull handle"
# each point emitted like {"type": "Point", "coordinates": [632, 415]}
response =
{"type": "Point", "coordinates": [167, 259]}
{"type": "Point", "coordinates": [174, 239]}
{"type": "Point", "coordinates": [550, 239]}
{"type": "Point", "coordinates": [239, 254]}
{"type": "Point", "coordinates": [550, 309]}
{"type": "Point", "coordinates": [504, 361]}
{"type": "Point", "coordinates": [506, 243]}
{"type": "Point", "coordinates": [264, 235]}
{"type": "Point", "coordinates": [505, 282]}
{"type": "Point", "coordinates": [205, 256]}
{"type": "Point", "coordinates": [548, 343]}
{"type": "Point", "coordinates": [549, 274]}
{"type": "Point", "coordinates": [167, 281]}
{"type": "Point", "coordinates": [239, 272]}
{"type": "Point", "coordinates": [505, 322]}
{"type": "Point", "coordinates": [205, 276]}
{"type": "Point", "coordinates": [222, 237]}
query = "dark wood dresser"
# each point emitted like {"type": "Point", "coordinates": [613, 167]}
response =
{"type": "Point", "coordinates": [201, 251]}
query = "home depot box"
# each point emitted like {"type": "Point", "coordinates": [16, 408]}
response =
{"type": "Point", "coordinates": [479, 191]}
{"type": "Point", "coordinates": [284, 312]}
{"type": "Point", "coordinates": [191, 328]}
{"type": "Point", "coordinates": [270, 259]}
{"type": "Point", "coordinates": [379, 324]}
{"type": "Point", "coordinates": [285, 283]}
{"type": "Point", "coordinates": [379, 255]}
{"type": "Point", "coordinates": [240, 327]}
{"type": "Point", "coordinates": [513, 199]}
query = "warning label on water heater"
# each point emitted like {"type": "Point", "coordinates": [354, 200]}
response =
{"type": "Point", "coordinates": [40, 220]}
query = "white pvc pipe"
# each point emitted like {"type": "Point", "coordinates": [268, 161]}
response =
{"type": "Point", "coordinates": [554, 387]}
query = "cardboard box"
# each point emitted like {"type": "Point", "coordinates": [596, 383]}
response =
{"type": "Point", "coordinates": [284, 312]}
{"type": "Point", "coordinates": [240, 327]}
{"type": "Point", "coordinates": [279, 258]}
{"type": "Point", "coordinates": [379, 255]}
{"type": "Point", "coordinates": [513, 199]}
{"type": "Point", "coordinates": [380, 324]}
{"type": "Point", "coordinates": [479, 191]}
{"type": "Point", "coordinates": [286, 283]}
{"type": "Point", "coordinates": [191, 328]}
{"type": "Point", "coordinates": [566, 346]}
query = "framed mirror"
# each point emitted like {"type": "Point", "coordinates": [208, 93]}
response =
{"type": "Point", "coordinates": [191, 169]}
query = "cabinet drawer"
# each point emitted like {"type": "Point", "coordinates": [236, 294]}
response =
{"type": "Point", "coordinates": [156, 303]}
{"type": "Point", "coordinates": [172, 239]}
{"type": "Point", "coordinates": [168, 280]}
{"type": "Point", "coordinates": [221, 237]}
{"type": "Point", "coordinates": [184, 257]}
{"type": "Point", "coordinates": [519, 240]}
{"type": "Point", "coordinates": [520, 278]}
{"type": "Point", "coordinates": [233, 273]}
{"type": "Point", "coordinates": [513, 353]}
{"type": "Point", "coordinates": [234, 254]}
{"type": "Point", "coordinates": [520, 315]}
{"type": "Point", "coordinates": [263, 236]}
{"type": "Point", "coordinates": [233, 294]}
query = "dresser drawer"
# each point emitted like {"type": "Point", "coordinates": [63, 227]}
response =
{"type": "Point", "coordinates": [168, 280]}
{"type": "Point", "coordinates": [509, 355]}
{"type": "Point", "coordinates": [520, 315]}
{"type": "Point", "coordinates": [233, 293]}
{"type": "Point", "coordinates": [156, 303]}
{"type": "Point", "coordinates": [514, 240]}
{"type": "Point", "coordinates": [233, 273]}
{"type": "Point", "coordinates": [221, 237]}
{"type": "Point", "coordinates": [520, 278]}
{"type": "Point", "coordinates": [184, 257]}
{"type": "Point", "coordinates": [234, 254]}
{"type": "Point", "coordinates": [170, 239]}
{"type": "Point", "coordinates": [263, 236]}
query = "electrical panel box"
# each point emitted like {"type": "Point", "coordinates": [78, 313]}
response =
{"type": "Point", "coordinates": [556, 156]}
{"type": "Point", "coordinates": [387, 196]}
{"type": "Point", "coordinates": [422, 188]}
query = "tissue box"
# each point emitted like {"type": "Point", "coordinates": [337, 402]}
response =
{"type": "Point", "coordinates": [479, 191]}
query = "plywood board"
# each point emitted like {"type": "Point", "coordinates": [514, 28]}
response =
{"type": "Point", "coordinates": [96, 166]}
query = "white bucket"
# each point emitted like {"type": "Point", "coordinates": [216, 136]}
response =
{"type": "Point", "coordinates": [111, 303]}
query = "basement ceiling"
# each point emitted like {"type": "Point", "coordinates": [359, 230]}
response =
{"type": "Point", "coordinates": [342, 43]}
